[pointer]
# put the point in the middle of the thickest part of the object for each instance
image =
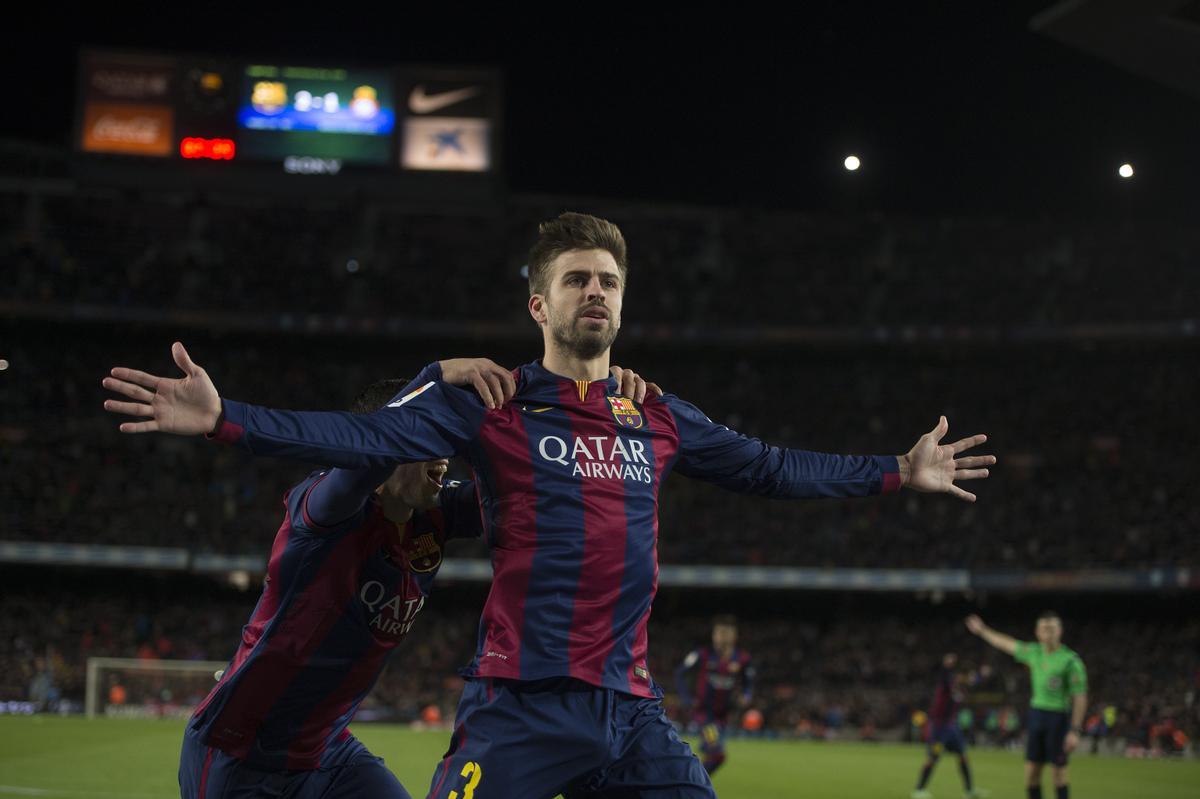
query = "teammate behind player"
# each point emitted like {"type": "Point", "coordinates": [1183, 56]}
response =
{"type": "Point", "coordinates": [350, 569]}
{"type": "Point", "coordinates": [945, 735]}
{"type": "Point", "coordinates": [559, 698]}
{"type": "Point", "coordinates": [724, 680]}
{"type": "Point", "coordinates": [1058, 702]}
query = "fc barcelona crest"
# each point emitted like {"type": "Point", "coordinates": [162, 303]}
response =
{"type": "Point", "coordinates": [625, 412]}
{"type": "Point", "coordinates": [424, 553]}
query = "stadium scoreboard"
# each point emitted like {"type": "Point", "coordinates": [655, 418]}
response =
{"type": "Point", "coordinates": [298, 118]}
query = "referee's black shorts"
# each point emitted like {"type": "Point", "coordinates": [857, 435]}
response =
{"type": "Point", "coordinates": [1045, 733]}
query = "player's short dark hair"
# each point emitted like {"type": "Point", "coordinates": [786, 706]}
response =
{"type": "Point", "coordinates": [376, 395]}
{"type": "Point", "coordinates": [1049, 615]}
{"type": "Point", "coordinates": [573, 231]}
{"type": "Point", "coordinates": [725, 620]}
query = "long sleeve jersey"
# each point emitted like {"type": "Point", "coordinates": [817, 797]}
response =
{"type": "Point", "coordinates": [717, 679]}
{"type": "Point", "coordinates": [947, 699]}
{"type": "Point", "coordinates": [337, 601]}
{"type": "Point", "coordinates": [568, 475]}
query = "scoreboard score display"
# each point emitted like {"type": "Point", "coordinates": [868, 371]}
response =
{"type": "Point", "coordinates": [309, 119]}
{"type": "Point", "coordinates": [319, 113]}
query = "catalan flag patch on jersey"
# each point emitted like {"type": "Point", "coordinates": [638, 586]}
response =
{"type": "Point", "coordinates": [625, 412]}
{"type": "Point", "coordinates": [411, 395]}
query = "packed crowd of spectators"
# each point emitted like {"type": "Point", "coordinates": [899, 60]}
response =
{"type": "Point", "coordinates": [1092, 438]}
{"type": "Point", "coordinates": [689, 266]}
{"type": "Point", "coordinates": [834, 666]}
{"type": "Point", "coordinates": [1094, 447]}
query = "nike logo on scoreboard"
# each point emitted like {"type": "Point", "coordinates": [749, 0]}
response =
{"type": "Point", "coordinates": [421, 103]}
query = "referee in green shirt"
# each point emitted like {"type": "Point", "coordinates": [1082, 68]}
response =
{"type": "Point", "coordinates": [1059, 700]}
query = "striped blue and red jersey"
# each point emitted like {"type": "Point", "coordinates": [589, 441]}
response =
{"type": "Point", "coordinates": [336, 602]}
{"type": "Point", "coordinates": [568, 475]}
{"type": "Point", "coordinates": [947, 700]}
{"type": "Point", "coordinates": [717, 680]}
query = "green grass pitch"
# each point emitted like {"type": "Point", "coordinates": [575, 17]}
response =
{"type": "Point", "coordinates": [73, 758]}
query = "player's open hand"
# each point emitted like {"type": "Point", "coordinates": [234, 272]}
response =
{"type": "Point", "coordinates": [975, 624]}
{"type": "Point", "coordinates": [495, 384]}
{"type": "Point", "coordinates": [931, 466]}
{"type": "Point", "coordinates": [1070, 742]}
{"type": "Point", "coordinates": [187, 405]}
{"type": "Point", "coordinates": [631, 385]}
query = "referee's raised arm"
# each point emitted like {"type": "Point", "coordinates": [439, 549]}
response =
{"type": "Point", "coordinates": [1005, 643]}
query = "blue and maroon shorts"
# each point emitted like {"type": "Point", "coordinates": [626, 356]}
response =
{"type": "Point", "coordinates": [537, 739]}
{"type": "Point", "coordinates": [347, 771]}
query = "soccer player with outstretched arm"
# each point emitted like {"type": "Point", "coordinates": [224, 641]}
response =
{"type": "Point", "coordinates": [559, 697]}
{"type": "Point", "coordinates": [1058, 703]}
{"type": "Point", "coordinates": [351, 567]}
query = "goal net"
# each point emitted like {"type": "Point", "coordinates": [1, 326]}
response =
{"type": "Point", "coordinates": [148, 688]}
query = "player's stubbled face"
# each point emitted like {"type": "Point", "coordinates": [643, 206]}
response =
{"type": "Point", "coordinates": [419, 484]}
{"type": "Point", "coordinates": [583, 301]}
{"type": "Point", "coordinates": [1049, 632]}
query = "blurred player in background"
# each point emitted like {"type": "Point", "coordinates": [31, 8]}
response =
{"type": "Point", "coordinates": [724, 681]}
{"type": "Point", "coordinates": [1058, 702]}
{"type": "Point", "coordinates": [945, 735]}
{"type": "Point", "coordinates": [559, 697]}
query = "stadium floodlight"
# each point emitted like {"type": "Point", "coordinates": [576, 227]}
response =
{"type": "Point", "coordinates": [1125, 171]}
{"type": "Point", "coordinates": [852, 163]}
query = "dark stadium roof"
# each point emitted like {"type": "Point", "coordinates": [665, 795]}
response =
{"type": "Point", "coordinates": [951, 106]}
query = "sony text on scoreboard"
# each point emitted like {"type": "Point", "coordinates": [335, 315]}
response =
{"type": "Point", "coordinates": [299, 118]}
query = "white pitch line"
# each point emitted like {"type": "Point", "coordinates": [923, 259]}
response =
{"type": "Point", "coordinates": [24, 790]}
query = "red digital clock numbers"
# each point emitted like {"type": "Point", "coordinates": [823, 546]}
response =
{"type": "Point", "coordinates": [212, 149]}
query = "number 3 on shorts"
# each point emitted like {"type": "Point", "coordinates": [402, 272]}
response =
{"type": "Point", "coordinates": [475, 773]}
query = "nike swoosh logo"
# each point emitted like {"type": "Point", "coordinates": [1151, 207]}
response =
{"type": "Point", "coordinates": [421, 103]}
{"type": "Point", "coordinates": [535, 410]}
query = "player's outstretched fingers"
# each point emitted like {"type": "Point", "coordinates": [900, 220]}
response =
{"type": "Point", "coordinates": [940, 429]}
{"type": "Point", "coordinates": [183, 360]}
{"type": "Point", "coordinates": [970, 474]}
{"type": "Point", "coordinates": [967, 443]}
{"type": "Point", "coordinates": [139, 427]}
{"type": "Point", "coordinates": [966, 496]}
{"type": "Point", "coordinates": [128, 408]}
{"type": "Point", "coordinates": [136, 376]}
{"type": "Point", "coordinates": [974, 462]}
{"type": "Point", "coordinates": [130, 390]}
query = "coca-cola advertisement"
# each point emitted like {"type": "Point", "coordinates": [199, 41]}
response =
{"type": "Point", "coordinates": [128, 105]}
{"type": "Point", "coordinates": [128, 128]}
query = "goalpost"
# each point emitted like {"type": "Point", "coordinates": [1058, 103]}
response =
{"type": "Point", "coordinates": [148, 688]}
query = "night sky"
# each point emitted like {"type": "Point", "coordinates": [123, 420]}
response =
{"type": "Point", "coordinates": [952, 107]}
